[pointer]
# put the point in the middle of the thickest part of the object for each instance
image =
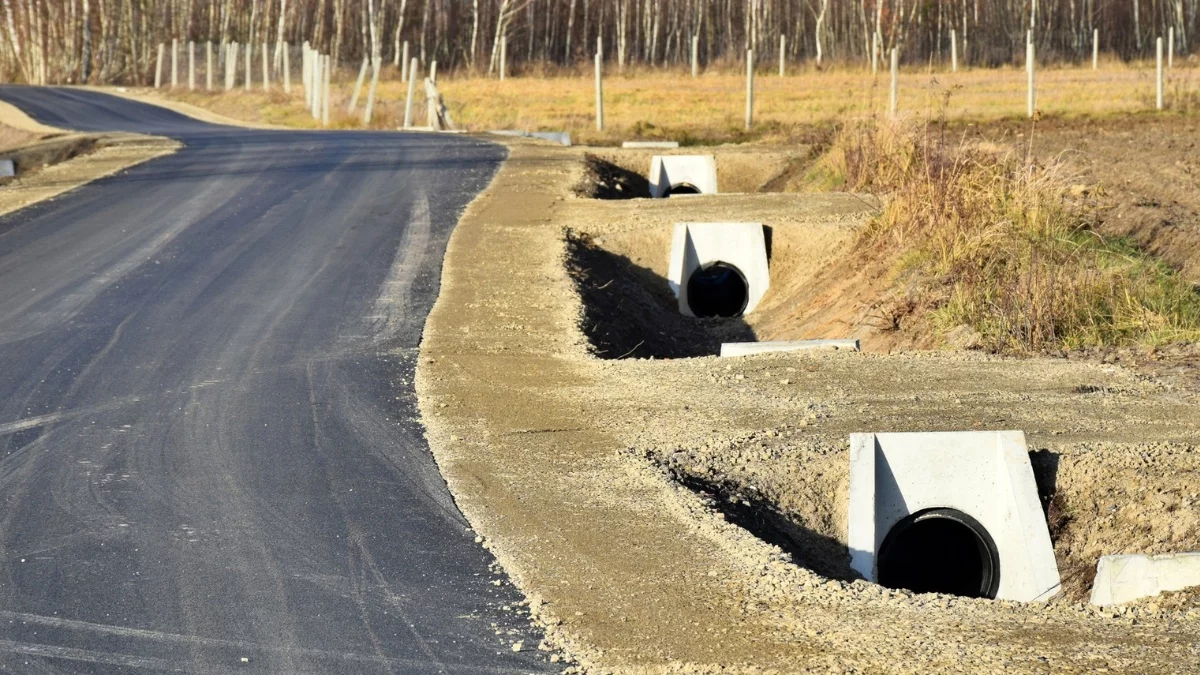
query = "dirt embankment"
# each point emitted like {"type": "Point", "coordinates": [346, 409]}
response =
{"type": "Point", "coordinates": [615, 491]}
{"type": "Point", "coordinates": [1141, 174]}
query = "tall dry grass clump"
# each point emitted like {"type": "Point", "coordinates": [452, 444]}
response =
{"type": "Point", "coordinates": [982, 238]}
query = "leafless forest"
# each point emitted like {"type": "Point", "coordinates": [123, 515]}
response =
{"type": "Point", "coordinates": [115, 41]}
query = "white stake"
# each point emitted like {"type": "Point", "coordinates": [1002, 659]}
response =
{"type": "Point", "coordinates": [1030, 67]}
{"type": "Point", "coordinates": [695, 56]}
{"type": "Point", "coordinates": [208, 65]}
{"type": "Point", "coordinates": [953, 51]}
{"type": "Point", "coordinates": [503, 57]}
{"type": "Point", "coordinates": [894, 99]}
{"type": "Point", "coordinates": [599, 89]}
{"type": "Point", "coordinates": [191, 66]}
{"type": "Point", "coordinates": [287, 71]}
{"type": "Point", "coordinates": [412, 85]}
{"type": "Point", "coordinates": [782, 55]}
{"type": "Point", "coordinates": [158, 66]}
{"type": "Point", "coordinates": [1159, 78]}
{"type": "Point", "coordinates": [231, 64]}
{"type": "Point", "coordinates": [325, 91]}
{"type": "Point", "coordinates": [433, 72]}
{"type": "Point", "coordinates": [371, 93]}
{"type": "Point", "coordinates": [174, 63]}
{"type": "Point", "coordinates": [304, 81]}
{"type": "Point", "coordinates": [404, 64]}
{"type": "Point", "coordinates": [1095, 49]}
{"type": "Point", "coordinates": [1170, 47]}
{"type": "Point", "coordinates": [362, 75]}
{"type": "Point", "coordinates": [315, 75]}
{"type": "Point", "coordinates": [749, 88]}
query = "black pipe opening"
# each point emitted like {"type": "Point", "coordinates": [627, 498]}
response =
{"type": "Point", "coordinates": [940, 551]}
{"type": "Point", "coordinates": [718, 289]}
{"type": "Point", "coordinates": [683, 189]}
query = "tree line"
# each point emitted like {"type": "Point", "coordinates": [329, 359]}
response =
{"type": "Point", "coordinates": [116, 41]}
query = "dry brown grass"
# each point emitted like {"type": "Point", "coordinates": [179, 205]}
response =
{"type": "Point", "coordinates": [990, 241]}
{"type": "Point", "coordinates": [658, 104]}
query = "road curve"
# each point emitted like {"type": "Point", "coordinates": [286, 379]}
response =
{"type": "Point", "coordinates": [210, 457]}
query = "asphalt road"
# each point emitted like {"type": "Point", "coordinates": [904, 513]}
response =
{"type": "Point", "coordinates": [210, 458]}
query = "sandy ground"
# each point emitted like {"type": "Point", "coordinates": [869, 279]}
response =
{"type": "Point", "coordinates": [610, 489]}
{"type": "Point", "coordinates": [106, 154]}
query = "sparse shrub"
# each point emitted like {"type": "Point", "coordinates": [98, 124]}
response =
{"type": "Point", "coordinates": [986, 239]}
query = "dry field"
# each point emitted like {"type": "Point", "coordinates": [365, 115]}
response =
{"type": "Point", "coordinates": [671, 105]}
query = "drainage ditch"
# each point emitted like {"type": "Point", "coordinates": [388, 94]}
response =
{"type": "Point", "coordinates": [933, 551]}
{"type": "Point", "coordinates": [630, 312]}
{"type": "Point", "coordinates": [622, 174]}
{"type": "Point", "coordinates": [806, 546]}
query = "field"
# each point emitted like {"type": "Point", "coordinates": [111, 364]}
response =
{"type": "Point", "coordinates": [671, 105]}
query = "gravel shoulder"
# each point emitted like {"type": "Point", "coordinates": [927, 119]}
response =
{"type": "Point", "coordinates": [601, 484]}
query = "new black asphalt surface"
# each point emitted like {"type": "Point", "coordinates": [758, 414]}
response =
{"type": "Point", "coordinates": [210, 457]}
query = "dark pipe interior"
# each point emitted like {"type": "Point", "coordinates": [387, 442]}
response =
{"type": "Point", "coordinates": [718, 290]}
{"type": "Point", "coordinates": [940, 551]}
{"type": "Point", "coordinates": [683, 189]}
